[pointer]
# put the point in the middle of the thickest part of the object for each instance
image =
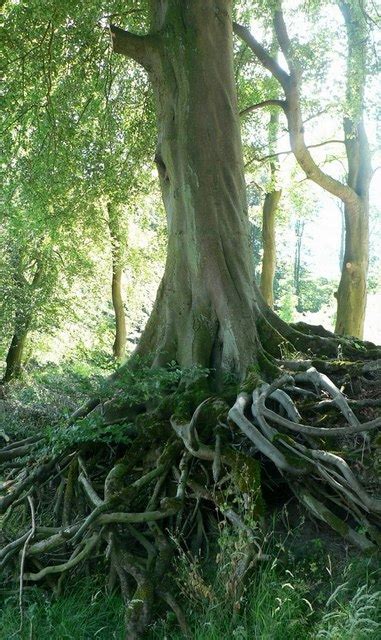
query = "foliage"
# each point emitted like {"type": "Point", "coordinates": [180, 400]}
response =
{"type": "Point", "coordinates": [298, 592]}
{"type": "Point", "coordinates": [356, 618]}
{"type": "Point", "coordinates": [315, 292]}
{"type": "Point", "coordinates": [74, 140]}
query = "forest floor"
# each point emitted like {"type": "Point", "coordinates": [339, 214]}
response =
{"type": "Point", "coordinates": [311, 585]}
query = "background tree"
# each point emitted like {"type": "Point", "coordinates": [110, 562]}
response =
{"type": "Point", "coordinates": [69, 145]}
{"type": "Point", "coordinates": [270, 206]}
{"type": "Point", "coordinates": [117, 239]}
{"type": "Point", "coordinates": [355, 193]}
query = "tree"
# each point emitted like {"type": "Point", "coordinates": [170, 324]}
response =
{"type": "Point", "coordinates": [119, 346]}
{"type": "Point", "coordinates": [270, 206]}
{"type": "Point", "coordinates": [259, 136]}
{"type": "Point", "coordinates": [208, 312]}
{"type": "Point", "coordinates": [69, 146]}
{"type": "Point", "coordinates": [207, 309]}
{"type": "Point", "coordinates": [28, 302]}
{"type": "Point", "coordinates": [206, 292]}
{"type": "Point", "coordinates": [299, 230]}
{"type": "Point", "coordinates": [351, 295]}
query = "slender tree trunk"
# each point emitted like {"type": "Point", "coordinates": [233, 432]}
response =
{"type": "Point", "coordinates": [23, 321]}
{"type": "Point", "coordinates": [299, 230]}
{"type": "Point", "coordinates": [15, 353]}
{"type": "Point", "coordinates": [352, 291]}
{"type": "Point", "coordinates": [268, 220]}
{"type": "Point", "coordinates": [119, 346]}
{"type": "Point", "coordinates": [204, 312]}
{"type": "Point", "coordinates": [342, 237]}
{"type": "Point", "coordinates": [269, 246]}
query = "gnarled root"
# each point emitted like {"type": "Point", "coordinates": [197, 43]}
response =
{"type": "Point", "coordinates": [131, 503]}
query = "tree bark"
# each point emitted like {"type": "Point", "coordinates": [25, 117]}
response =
{"type": "Point", "coordinates": [352, 291]}
{"type": "Point", "coordinates": [269, 246]}
{"type": "Point", "coordinates": [205, 309]}
{"type": "Point", "coordinates": [119, 346]}
{"type": "Point", "coordinates": [208, 310]}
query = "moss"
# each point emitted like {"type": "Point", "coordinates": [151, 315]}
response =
{"type": "Point", "coordinates": [187, 402]}
{"type": "Point", "coordinates": [336, 523]}
{"type": "Point", "coordinates": [246, 476]}
{"type": "Point", "coordinates": [116, 479]}
{"type": "Point", "coordinates": [270, 337]}
{"type": "Point", "coordinates": [292, 459]}
{"type": "Point", "coordinates": [267, 366]}
{"type": "Point", "coordinates": [171, 503]}
{"type": "Point", "coordinates": [253, 379]}
{"type": "Point", "coordinates": [166, 406]}
{"type": "Point", "coordinates": [337, 366]}
{"type": "Point", "coordinates": [170, 451]}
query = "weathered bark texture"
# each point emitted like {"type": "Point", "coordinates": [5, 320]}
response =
{"type": "Point", "coordinates": [342, 237]}
{"type": "Point", "coordinates": [204, 312]}
{"type": "Point", "coordinates": [351, 296]}
{"type": "Point", "coordinates": [119, 346]}
{"type": "Point", "coordinates": [352, 291]}
{"type": "Point", "coordinates": [270, 206]}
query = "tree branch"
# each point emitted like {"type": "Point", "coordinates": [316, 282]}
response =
{"type": "Point", "coordinates": [265, 58]}
{"type": "Point", "coordinates": [284, 40]}
{"type": "Point", "coordinates": [266, 103]}
{"type": "Point", "coordinates": [133, 46]}
{"type": "Point", "coordinates": [285, 153]}
{"type": "Point", "coordinates": [293, 111]}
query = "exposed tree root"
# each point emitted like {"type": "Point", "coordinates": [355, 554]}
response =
{"type": "Point", "coordinates": [129, 503]}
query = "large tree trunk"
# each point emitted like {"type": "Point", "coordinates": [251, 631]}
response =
{"type": "Point", "coordinates": [204, 312]}
{"type": "Point", "coordinates": [119, 346]}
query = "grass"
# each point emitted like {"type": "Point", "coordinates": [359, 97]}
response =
{"type": "Point", "coordinates": [286, 599]}
{"type": "Point", "coordinates": [83, 612]}
{"type": "Point", "coordinates": [285, 602]}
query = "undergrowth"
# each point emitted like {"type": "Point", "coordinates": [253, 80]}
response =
{"type": "Point", "coordinates": [309, 597]}
{"type": "Point", "coordinates": [43, 400]}
{"type": "Point", "coordinates": [304, 588]}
